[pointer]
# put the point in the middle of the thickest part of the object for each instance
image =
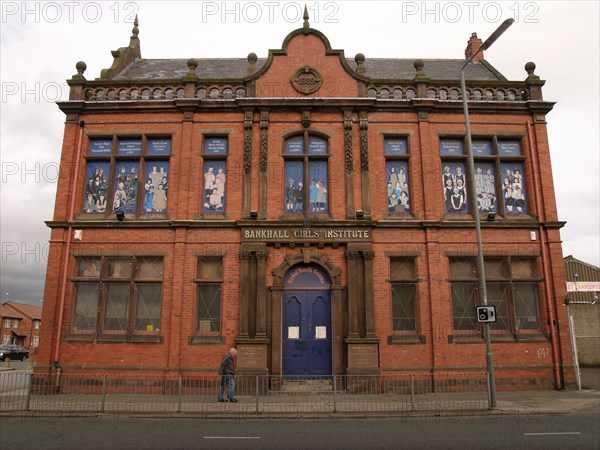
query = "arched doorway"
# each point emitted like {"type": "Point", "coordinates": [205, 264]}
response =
{"type": "Point", "coordinates": [306, 321]}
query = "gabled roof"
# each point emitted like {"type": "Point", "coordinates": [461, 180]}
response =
{"type": "Point", "coordinates": [20, 310]}
{"type": "Point", "coordinates": [571, 259]}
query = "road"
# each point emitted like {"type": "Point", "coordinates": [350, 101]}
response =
{"type": "Point", "coordinates": [579, 430]}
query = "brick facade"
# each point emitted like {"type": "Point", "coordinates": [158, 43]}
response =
{"type": "Point", "coordinates": [355, 124]}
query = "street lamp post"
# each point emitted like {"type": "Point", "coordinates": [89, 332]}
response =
{"type": "Point", "coordinates": [475, 208]}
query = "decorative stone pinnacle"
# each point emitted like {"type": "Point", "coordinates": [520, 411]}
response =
{"type": "Point", "coordinates": [252, 58]}
{"type": "Point", "coordinates": [135, 31]}
{"type": "Point", "coordinates": [530, 68]}
{"type": "Point", "coordinates": [306, 24]}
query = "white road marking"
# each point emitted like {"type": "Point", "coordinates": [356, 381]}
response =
{"type": "Point", "coordinates": [232, 437]}
{"type": "Point", "coordinates": [550, 434]}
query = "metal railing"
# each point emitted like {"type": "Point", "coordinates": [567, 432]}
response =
{"type": "Point", "coordinates": [272, 396]}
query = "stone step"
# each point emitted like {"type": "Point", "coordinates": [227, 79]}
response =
{"type": "Point", "coordinates": [307, 385]}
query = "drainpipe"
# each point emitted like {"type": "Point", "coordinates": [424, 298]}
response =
{"type": "Point", "coordinates": [63, 288]}
{"type": "Point", "coordinates": [543, 241]}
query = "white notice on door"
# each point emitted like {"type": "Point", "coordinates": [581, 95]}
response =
{"type": "Point", "coordinates": [293, 332]}
{"type": "Point", "coordinates": [320, 332]}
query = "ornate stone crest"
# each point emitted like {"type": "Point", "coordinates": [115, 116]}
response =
{"type": "Point", "coordinates": [307, 80]}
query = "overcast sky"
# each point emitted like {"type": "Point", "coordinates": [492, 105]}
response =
{"type": "Point", "coordinates": [42, 41]}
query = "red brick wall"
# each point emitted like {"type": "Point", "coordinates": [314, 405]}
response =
{"type": "Point", "coordinates": [181, 244]}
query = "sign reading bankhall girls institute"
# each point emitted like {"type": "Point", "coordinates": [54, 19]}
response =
{"type": "Point", "coordinates": [306, 234]}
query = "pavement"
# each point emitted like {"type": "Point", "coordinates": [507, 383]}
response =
{"type": "Point", "coordinates": [522, 402]}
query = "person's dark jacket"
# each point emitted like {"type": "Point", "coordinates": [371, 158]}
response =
{"type": "Point", "coordinates": [227, 368]}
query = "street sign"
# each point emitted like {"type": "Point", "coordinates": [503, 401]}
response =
{"type": "Point", "coordinates": [486, 314]}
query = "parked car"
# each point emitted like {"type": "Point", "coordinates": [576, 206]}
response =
{"type": "Point", "coordinates": [13, 352]}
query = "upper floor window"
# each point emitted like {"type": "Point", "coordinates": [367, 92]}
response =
{"type": "Point", "coordinates": [498, 176]}
{"type": "Point", "coordinates": [306, 175]}
{"type": "Point", "coordinates": [36, 324]}
{"type": "Point", "coordinates": [396, 169]}
{"type": "Point", "coordinates": [7, 323]}
{"type": "Point", "coordinates": [129, 175]}
{"type": "Point", "coordinates": [216, 149]}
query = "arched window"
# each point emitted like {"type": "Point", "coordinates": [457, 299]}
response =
{"type": "Point", "coordinates": [306, 182]}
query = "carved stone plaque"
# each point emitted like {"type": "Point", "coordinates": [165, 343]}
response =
{"type": "Point", "coordinates": [362, 356]}
{"type": "Point", "coordinates": [251, 356]}
{"type": "Point", "coordinates": [307, 80]}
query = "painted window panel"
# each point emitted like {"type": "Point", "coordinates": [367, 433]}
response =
{"type": "Point", "coordinates": [130, 147]}
{"type": "Point", "coordinates": [216, 146]}
{"type": "Point", "coordinates": [398, 194]}
{"type": "Point", "coordinates": [215, 187]}
{"type": "Point", "coordinates": [294, 146]}
{"type": "Point", "coordinates": [156, 187]}
{"type": "Point", "coordinates": [101, 147]}
{"type": "Point", "coordinates": [395, 146]}
{"type": "Point", "coordinates": [482, 148]}
{"type": "Point", "coordinates": [317, 146]}
{"type": "Point", "coordinates": [509, 148]}
{"type": "Point", "coordinates": [159, 147]}
{"type": "Point", "coordinates": [126, 187]}
{"type": "Point", "coordinates": [318, 174]}
{"type": "Point", "coordinates": [485, 185]}
{"type": "Point", "coordinates": [455, 187]}
{"type": "Point", "coordinates": [96, 187]}
{"type": "Point", "coordinates": [294, 187]}
{"type": "Point", "coordinates": [452, 147]}
{"type": "Point", "coordinates": [513, 188]}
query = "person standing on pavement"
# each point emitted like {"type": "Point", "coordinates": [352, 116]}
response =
{"type": "Point", "coordinates": [227, 373]}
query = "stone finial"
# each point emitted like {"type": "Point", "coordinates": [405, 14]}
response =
{"type": "Point", "coordinates": [534, 84]}
{"type": "Point", "coordinates": [419, 65]}
{"type": "Point", "coordinates": [135, 30]}
{"type": "Point", "coordinates": [360, 64]}
{"type": "Point", "coordinates": [252, 58]}
{"type": "Point", "coordinates": [81, 67]}
{"type": "Point", "coordinates": [306, 25]}
{"type": "Point", "coordinates": [77, 82]}
{"type": "Point", "coordinates": [192, 63]}
{"type": "Point", "coordinates": [530, 69]}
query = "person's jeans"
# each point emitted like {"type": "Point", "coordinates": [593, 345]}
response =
{"type": "Point", "coordinates": [227, 380]}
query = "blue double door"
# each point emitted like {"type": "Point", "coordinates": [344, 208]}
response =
{"type": "Point", "coordinates": [306, 334]}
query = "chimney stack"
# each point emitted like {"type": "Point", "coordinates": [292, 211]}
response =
{"type": "Point", "coordinates": [472, 46]}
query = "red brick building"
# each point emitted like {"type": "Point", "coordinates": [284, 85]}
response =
{"type": "Point", "coordinates": [20, 324]}
{"type": "Point", "coordinates": [309, 209]}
